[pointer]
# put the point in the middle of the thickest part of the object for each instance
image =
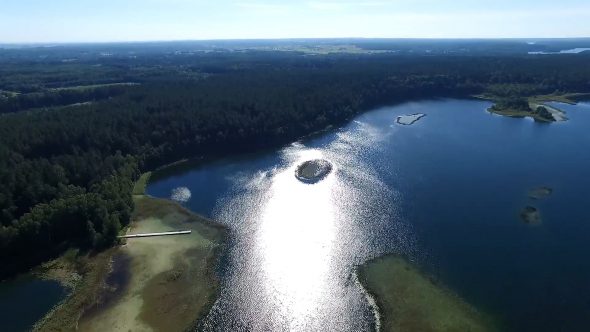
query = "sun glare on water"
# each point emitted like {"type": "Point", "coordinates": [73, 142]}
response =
{"type": "Point", "coordinates": [296, 238]}
{"type": "Point", "coordinates": [297, 243]}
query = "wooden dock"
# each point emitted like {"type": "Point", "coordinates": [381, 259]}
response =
{"type": "Point", "coordinates": [130, 236]}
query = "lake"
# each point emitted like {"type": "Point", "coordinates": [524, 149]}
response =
{"type": "Point", "coordinates": [445, 193]}
{"type": "Point", "coordinates": [26, 299]}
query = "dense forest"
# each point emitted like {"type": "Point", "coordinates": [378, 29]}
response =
{"type": "Point", "coordinates": [75, 133]}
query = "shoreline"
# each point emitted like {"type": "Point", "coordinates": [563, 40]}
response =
{"type": "Point", "coordinates": [519, 115]}
{"type": "Point", "coordinates": [85, 292]}
{"type": "Point", "coordinates": [181, 264]}
{"type": "Point", "coordinates": [189, 162]}
{"type": "Point", "coordinates": [371, 298]}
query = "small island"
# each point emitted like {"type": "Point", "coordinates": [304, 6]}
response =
{"type": "Point", "coordinates": [521, 107]}
{"type": "Point", "coordinates": [530, 215]}
{"type": "Point", "coordinates": [407, 120]}
{"type": "Point", "coordinates": [540, 192]}
{"type": "Point", "coordinates": [524, 100]}
{"type": "Point", "coordinates": [313, 171]}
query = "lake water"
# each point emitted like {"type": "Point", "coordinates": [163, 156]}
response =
{"type": "Point", "coordinates": [444, 192]}
{"type": "Point", "coordinates": [25, 299]}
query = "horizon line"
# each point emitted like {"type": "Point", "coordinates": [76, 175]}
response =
{"type": "Point", "coordinates": [34, 43]}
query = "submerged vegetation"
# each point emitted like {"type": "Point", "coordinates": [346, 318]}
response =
{"type": "Point", "coordinates": [540, 192]}
{"type": "Point", "coordinates": [410, 301]}
{"type": "Point", "coordinates": [85, 276]}
{"type": "Point", "coordinates": [172, 279]}
{"type": "Point", "coordinates": [67, 173]}
{"type": "Point", "coordinates": [530, 215]}
{"type": "Point", "coordinates": [164, 283]}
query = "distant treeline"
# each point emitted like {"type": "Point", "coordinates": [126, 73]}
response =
{"type": "Point", "coordinates": [67, 173]}
{"type": "Point", "coordinates": [61, 97]}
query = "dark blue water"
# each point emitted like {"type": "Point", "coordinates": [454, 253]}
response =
{"type": "Point", "coordinates": [25, 300]}
{"type": "Point", "coordinates": [445, 192]}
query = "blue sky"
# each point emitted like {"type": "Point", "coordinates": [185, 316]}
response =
{"type": "Point", "coordinates": [138, 20]}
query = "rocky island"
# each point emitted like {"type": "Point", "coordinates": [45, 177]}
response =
{"type": "Point", "coordinates": [407, 120]}
{"type": "Point", "coordinates": [312, 171]}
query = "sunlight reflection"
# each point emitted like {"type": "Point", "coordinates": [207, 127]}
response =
{"type": "Point", "coordinates": [296, 238]}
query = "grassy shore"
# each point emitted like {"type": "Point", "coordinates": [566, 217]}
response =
{"type": "Point", "coordinates": [170, 281]}
{"type": "Point", "coordinates": [172, 278]}
{"type": "Point", "coordinates": [141, 184]}
{"type": "Point", "coordinates": [84, 275]}
{"type": "Point", "coordinates": [409, 301]}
